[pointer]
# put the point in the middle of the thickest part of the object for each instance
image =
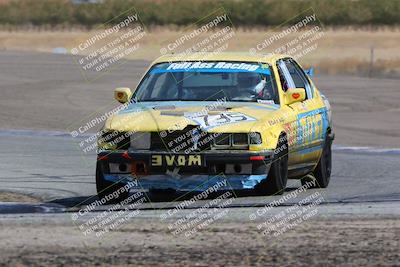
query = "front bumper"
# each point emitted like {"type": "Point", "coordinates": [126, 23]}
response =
{"type": "Point", "coordinates": [240, 169]}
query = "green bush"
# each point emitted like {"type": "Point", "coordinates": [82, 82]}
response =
{"type": "Point", "coordinates": [186, 12]}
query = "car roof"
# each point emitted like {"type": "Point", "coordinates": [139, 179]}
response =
{"type": "Point", "coordinates": [221, 56]}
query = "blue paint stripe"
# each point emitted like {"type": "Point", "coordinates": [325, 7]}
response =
{"type": "Point", "coordinates": [311, 112]}
{"type": "Point", "coordinates": [309, 150]}
{"type": "Point", "coordinates": [301, 129]}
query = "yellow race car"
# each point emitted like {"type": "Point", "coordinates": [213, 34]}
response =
{"type": "Point", "coordinates": [237, 120]}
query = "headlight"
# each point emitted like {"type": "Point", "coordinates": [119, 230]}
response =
{"type": "Point", "coordinates": [114, 140]}
{"type": "Point", "coordinates": [222, 140]}
{"type": "Point", "coordinates": [236, 140]}
{"type": "Point", "coordinates": [140, 140]}
{"type": "Point", "coordinates": [255, 139]}
{"type": "Point", "coordinates": [240, 139]}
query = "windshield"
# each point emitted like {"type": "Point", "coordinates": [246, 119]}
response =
{"type": "Point", "coordinates": [208, 81]}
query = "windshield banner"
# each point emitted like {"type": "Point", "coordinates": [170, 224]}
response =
{"type": "Point", "coordinates": [212, 67]}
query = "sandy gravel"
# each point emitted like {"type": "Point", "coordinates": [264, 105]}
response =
{"type": "Point", "coordinates": [341, 241]}
{"type": "Point", "coordinates": [15, 197]}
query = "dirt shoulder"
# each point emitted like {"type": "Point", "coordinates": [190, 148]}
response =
{"type": "Point", "coordinates": [341, 241]}
{"type": "Point", "coordinates": [15, 197]}
{"type": "Point", "coordinates": [339, 50]}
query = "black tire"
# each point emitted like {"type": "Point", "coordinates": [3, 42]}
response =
{"type": "Point", "coordinates": [276, 181]}
{"type": "Point", "coordinates": [322, 172]}
{"type": "Point", "coordinates": [105, 188]}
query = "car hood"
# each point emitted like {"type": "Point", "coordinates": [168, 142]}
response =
{"type": "Point", "coordinates": [211, 116]}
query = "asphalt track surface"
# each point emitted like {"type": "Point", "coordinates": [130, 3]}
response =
{"type": "Point", "coordinates": [356, 224]}
{"type": "Point", "coordinates": [47, 94]}
{"type": "Point", "coordinates": [42, 95]}
{"type": "Point", "coordinates": [48, 166]}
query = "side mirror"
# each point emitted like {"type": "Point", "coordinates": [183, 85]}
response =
{"type": "Point", "coordinates": [293, 95]}
{"type": "Point", "coordinates": [310, 72]}
{"type": "Point", "coordinates": [123, 94]}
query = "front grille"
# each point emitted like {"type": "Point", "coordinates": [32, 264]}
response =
{"type": "Point", "coordinates": [189, 139]}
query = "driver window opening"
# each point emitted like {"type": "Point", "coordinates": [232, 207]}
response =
{"type": "Point", "coordinates": [298, 77]}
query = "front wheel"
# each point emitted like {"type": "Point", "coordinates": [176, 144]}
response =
{"type": "Point", "coordinates": [276, 181]}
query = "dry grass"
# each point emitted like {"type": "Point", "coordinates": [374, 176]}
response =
{"type": "Point", "coordinates": [339, 51]}
{"type": "Point", "coordinates": [15, 197]}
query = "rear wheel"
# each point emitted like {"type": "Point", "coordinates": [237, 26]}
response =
{"type": "Point", "coordinates": [276, 181]}
{"type": "Point", "coordinates": [106, 188]}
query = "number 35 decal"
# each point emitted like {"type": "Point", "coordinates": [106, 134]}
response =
{"type": "Point", "coordinates": [208, 121]}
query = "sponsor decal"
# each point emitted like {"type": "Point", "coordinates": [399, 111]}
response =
{"type": "Point", "coordinates": [207, 121]}
{"type": "Point", "coordinates": [213, 67]}
{"type": "Point", "coordinates": [176, 160]}
{"type": "Point", "coordinates": [262, 101]}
